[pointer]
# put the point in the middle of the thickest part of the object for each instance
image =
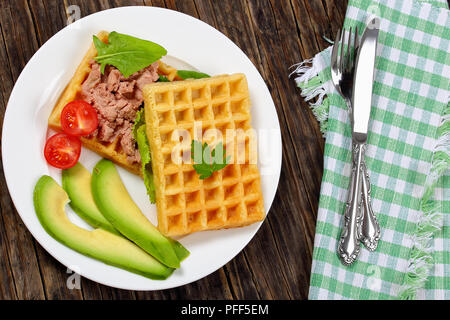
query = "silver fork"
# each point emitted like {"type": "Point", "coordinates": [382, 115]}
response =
{"type": "Point", "coordinates": [342, 65]}
{"type": "Point", "coordinates": [359, 222]}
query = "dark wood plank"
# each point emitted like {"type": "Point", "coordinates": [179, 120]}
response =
{"type": "Point", "coordinates": [335, 11]}
{"type": "Point", "coordinates": [318, 20]}
{"type": "Point", "coordinates": [206, 12]}
{"type": "Point", "coordinates": [55, 278]}
{"type": "Point", "coordinates": [20, 43]}
{"type": "Point", "coordinates": [88, 7]}
{"type": "Point", "coordinates": [155, 3]}
{"type": "Point", "coordinates": [185, 6]}
{"type": "Point", "coordinates": [43, 12]}
{"type": "Point", "coordinates": [241, 278]}
{"type": "Point", "coordinates": [7, 287]}
{"type": "Point", "coordinates": [122, 3]}
{"type": "Point", "coordinates": [116, 294]}
{"type": "Point", "coordinates": [91, 290]}
{"type": "Point", "coordinates": [20, 38]}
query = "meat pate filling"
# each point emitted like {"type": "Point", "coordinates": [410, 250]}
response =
{"type": "Point", "coordinates": [116, 100]}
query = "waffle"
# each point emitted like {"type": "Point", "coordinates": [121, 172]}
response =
{"type": "Point", "coordinates": [231, 197]}
{"type": "Point", "coordinates": [72, 92]}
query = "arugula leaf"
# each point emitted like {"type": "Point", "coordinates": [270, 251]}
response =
{"type": "Point", "coordinates": [127, 53]}
{"type": "Point", "coordinates": [163, 79]}
{"type": "Point", "coordinates": [206, 163]}
{"type": "Point", "coordinates": [186, 74]}
{"type": "Point", "coordinates": [144, 150]}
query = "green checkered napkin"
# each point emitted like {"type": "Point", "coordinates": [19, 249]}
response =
{"type": "Point", "coordinates": [408, 157]}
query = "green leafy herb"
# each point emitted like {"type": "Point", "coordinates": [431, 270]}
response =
{"type": "Point", "coordinates": [206, 161]}
{"type": "Point", "coordinates": [186, 74]}
{"type": "Point", "coordinates": [139, 121]}
{"type": "Point", "coordinates": [163, 79]}
{"type": "Point", "coordinates": [127, 53]}
{"type": "Point", "coordinates": [144, 150]}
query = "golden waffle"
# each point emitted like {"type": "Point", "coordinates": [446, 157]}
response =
{"type": "Point", "coordinates": [72, 92]}
{"type": "Point", "coordinates": [231, 197]}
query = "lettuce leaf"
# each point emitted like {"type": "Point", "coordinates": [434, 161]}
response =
{"type": "Point", "coordinates": [144, 150]}
{"type": "Point", "coordinates": [139, 121]}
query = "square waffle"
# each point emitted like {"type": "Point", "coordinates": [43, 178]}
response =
{"type": "Point", "coordinates": [72, 92]}
{"type": "Point", "coordinates": [231, 197]}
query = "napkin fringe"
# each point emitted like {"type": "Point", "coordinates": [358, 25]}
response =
{"type": "Point", "coordinates": [313, 90]}
{"type": "Point", "coordinates": [421, 255]}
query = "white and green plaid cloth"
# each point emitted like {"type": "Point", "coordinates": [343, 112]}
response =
{"type": "Point", "coordinates": [407, 157]}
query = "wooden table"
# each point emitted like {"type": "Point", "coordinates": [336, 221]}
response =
{"type": "Point", "coordinates": [275, 35]}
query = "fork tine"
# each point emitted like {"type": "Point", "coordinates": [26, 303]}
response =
{"type": "Point", "coordinates": [356, 43]}
{"type": "Point", "coordinates": [349, 50]}
{"type": "Point", "coordinates": [342, 55]}
{"type": "Point", "coordinates": [334, 52]}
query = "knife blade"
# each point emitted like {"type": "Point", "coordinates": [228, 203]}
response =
{"type": "Point", "coordinates": [363, 81]}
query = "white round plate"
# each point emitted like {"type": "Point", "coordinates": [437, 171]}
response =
{"type": "Point", "coordinates": [44, 78]}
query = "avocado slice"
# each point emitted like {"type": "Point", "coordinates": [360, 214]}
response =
{"type": "Point", "coordinates": [49, 201]}
{"type": "Point", "coordinates": [76, 181]}
{"type": "Point", "coordinates": [181, 252]}
{"type": "Point", "coordinates": [119, 209]}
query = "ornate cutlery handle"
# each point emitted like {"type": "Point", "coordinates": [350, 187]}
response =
{"type": "Point", "coordinates": [369, 231]}
{"type": "Point", "coordinates": [349, 247]}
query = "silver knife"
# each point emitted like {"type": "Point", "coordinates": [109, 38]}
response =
{"type": "Point", "coordinates": [354, 227]}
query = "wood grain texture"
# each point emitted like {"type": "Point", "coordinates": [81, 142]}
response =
{"type": "Point", "coordinates": [275, 35]}
{"type": "Point", "coordinates": [19, 43]}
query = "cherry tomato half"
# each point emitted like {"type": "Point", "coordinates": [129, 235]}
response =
{"type": "Point", "coordinates": [79, 118]}
{"type": "Point", "coordinates": [62, 150]}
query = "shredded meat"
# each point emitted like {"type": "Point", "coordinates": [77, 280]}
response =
{"type": "Point", "coordinates": [117, 99]}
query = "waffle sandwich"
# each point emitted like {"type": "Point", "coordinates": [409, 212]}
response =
{"type": "Point", "coordinates": [111, 151]}
{"type": "Point", "coordinates": [231, 197]}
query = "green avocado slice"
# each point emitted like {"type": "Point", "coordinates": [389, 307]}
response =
{"type": "Point", "coordinates": [119, 209]}
{"type": "Point", "coordinates": [49, 201]}
{"type": "Point", "coordinates": [181, 252]}
{"type": "Point", "coordinates": [76, 181]}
